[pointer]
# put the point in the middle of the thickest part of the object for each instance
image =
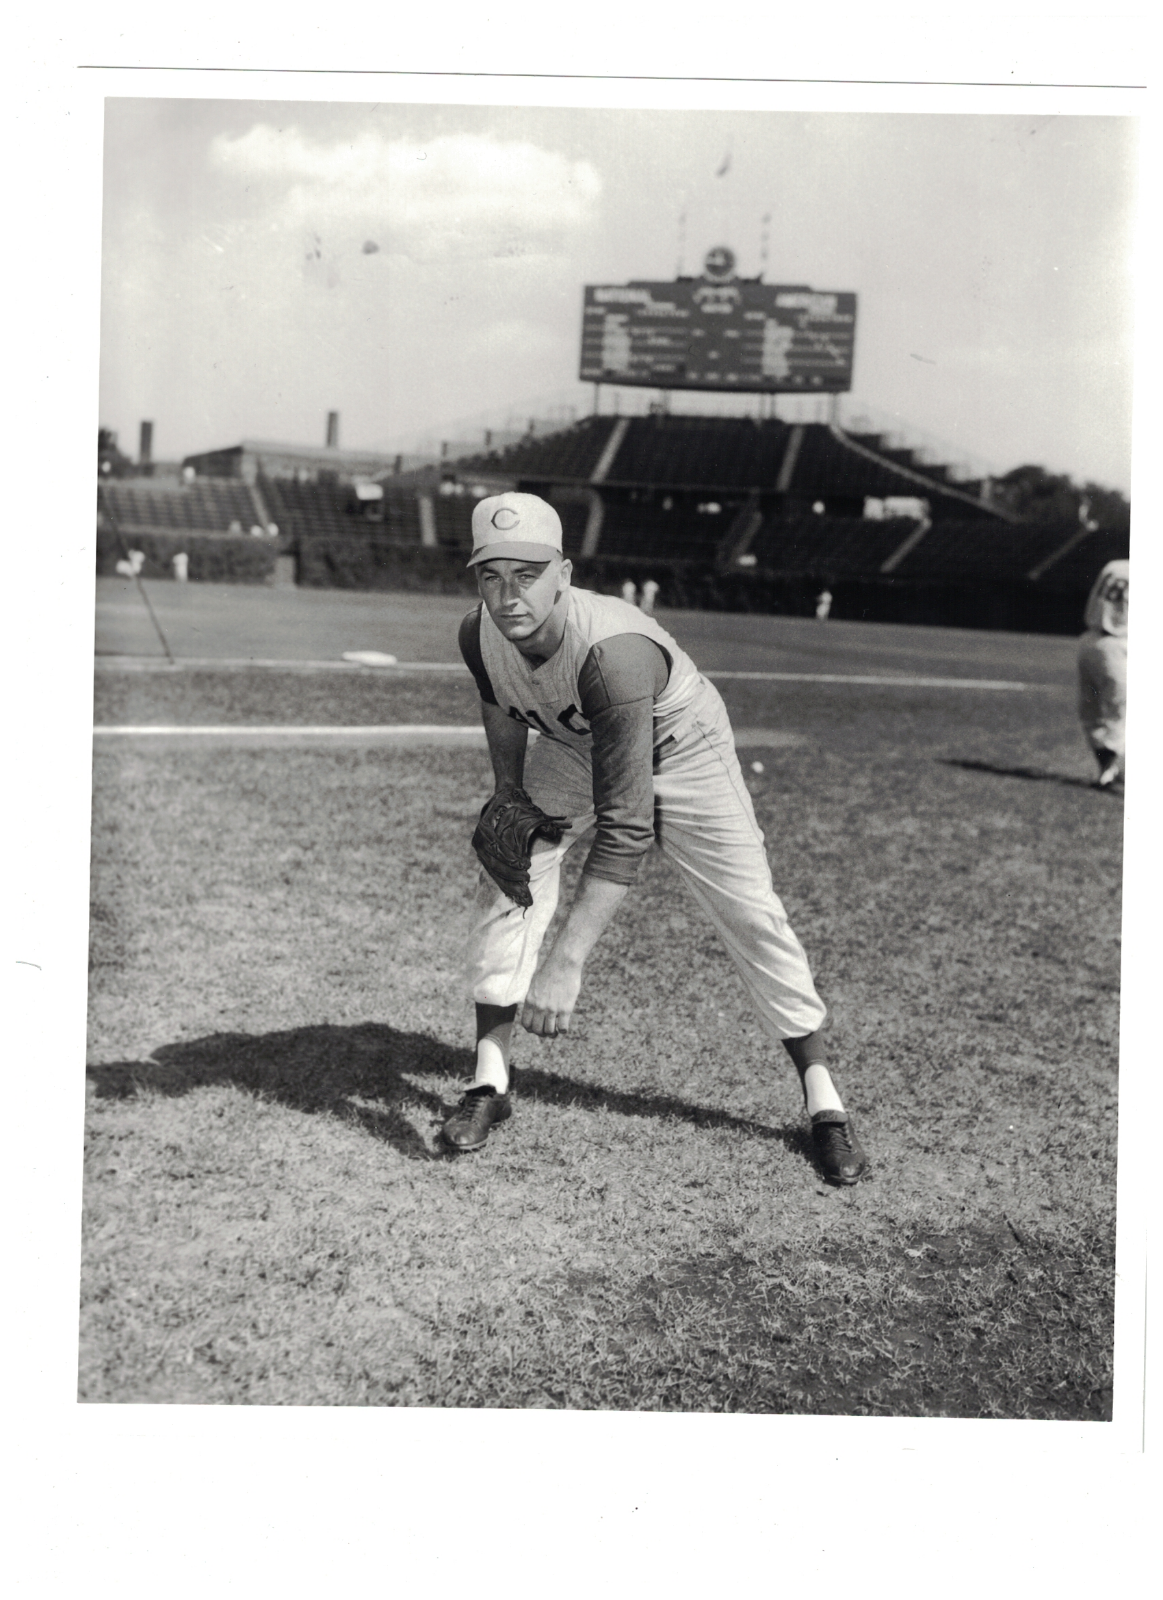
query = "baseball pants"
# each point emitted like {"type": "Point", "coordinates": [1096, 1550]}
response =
{"type": "Point", "coordinates": [705, 825]}
{"type": "Point", "coordinates": [1102, 691]}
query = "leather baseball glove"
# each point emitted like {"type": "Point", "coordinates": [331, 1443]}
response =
{"type": "Point", "coordinates": [504, 837]}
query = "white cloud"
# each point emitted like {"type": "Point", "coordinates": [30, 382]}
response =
{"type": "Point", "coordinates": [458, 196]}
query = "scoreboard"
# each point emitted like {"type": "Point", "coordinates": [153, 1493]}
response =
{"type": "Point", "coordinates": [719, 333]}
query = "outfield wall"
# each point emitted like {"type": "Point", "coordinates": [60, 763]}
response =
{"type": "Point", "coordinates": [212, 557]}
{"type": "Point", "coordinates": [1020, 607]}
{"type": "Point", "coordinates": [368, 563]}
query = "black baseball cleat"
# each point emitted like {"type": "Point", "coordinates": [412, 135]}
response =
{"type": "Point", "coordinates": [468, 1127]}
{"type": "Point", "coordinates": [1110, 769]}
{"type": "Point", "coordinates": [838, 1148]}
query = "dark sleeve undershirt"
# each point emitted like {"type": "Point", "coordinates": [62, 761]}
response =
{"type": "Point", "coordinates": [469, 640]}
{"type": "Point", "coordinates": [619, 682]}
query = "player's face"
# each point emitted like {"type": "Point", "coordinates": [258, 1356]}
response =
{"type": "Point", "coordinates": [521, 595]}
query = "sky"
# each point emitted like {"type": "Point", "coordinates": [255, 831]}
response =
{"type": "Point", "coordinates": [416, 266]}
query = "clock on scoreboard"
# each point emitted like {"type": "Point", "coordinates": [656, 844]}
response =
{"type": "Point", "coordinates": [719, 332]}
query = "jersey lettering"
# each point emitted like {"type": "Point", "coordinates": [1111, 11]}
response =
{"type": "Point", "coordinates": [531, 720]}
{"type": "Point", "coordinates": [572, 711]}
{"type": "Point", "coordinates": [549, 700]}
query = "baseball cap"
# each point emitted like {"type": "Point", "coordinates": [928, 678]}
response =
{"type": "Point", "coordinates": [514, 527]}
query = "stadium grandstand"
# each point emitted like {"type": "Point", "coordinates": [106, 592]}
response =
{"type": "Point", "coordinates": [161, 506]}
{"type": "Point", "coordinates": [738, 512]}
{"type": "Point", "coordinates": [752, 511]}
{"type": "Point", "coordinates": [763, 511]}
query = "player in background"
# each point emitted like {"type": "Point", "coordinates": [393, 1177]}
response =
{"type": "Point", "coordinates": [1102, 671]}
{"type": "Point", "coordinates": [635, 743]}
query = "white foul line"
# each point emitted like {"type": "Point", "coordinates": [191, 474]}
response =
{"type": "Point", "coordinates": [233, 663]}
{"type": "Point", "coordinates": [158, 663]}
{"type": "Point", "coordinates": [892, 683]}
{"type": "Point", "coordinates": [427, 730]}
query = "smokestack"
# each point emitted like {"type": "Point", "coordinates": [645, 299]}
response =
{"type": "Point", "coordinates": [145, 446]}
{"type": "Point", "coordinates": [333, 430]}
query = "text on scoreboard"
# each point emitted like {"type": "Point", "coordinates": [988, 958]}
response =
{"type": "Point", "coordinates": [696, 334]}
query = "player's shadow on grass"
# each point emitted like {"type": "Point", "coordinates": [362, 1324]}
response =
{"type": "Point", "coordinates": [1032, 774]}
{"type": "Point", "coordinates": [367, 1074]}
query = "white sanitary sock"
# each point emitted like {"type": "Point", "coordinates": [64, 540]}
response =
{"type": "Point", "coordinates": [820, 1090]}
{"type": "Point", "coordinates": [491, 1066]}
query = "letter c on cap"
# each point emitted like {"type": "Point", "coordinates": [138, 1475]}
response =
{"type": "Point", "coordinates": [505, 518]}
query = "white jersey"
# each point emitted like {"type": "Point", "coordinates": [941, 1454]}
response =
{"type": "Point", "coordinates": [1106, 606]}
{"type": "Point", "coordinates": [547, 695]}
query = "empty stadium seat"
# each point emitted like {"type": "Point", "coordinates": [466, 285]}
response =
{"type": "Point", "coordinates": [401, 516]}
{"type": "Point", "coordinates": [722, 454]}
{"type": "Point", "coordinates": [314, 509]}
{"type": "Point", "coordinates": [979, 552]}
{"type": "Point", "coordinates": [831, 547]}
{"type": "Point", "coordinates": [334, 511]}
{"type": "Point", "coordinates": [825, 470]}
{"type": "Point", "coordinates": [700, 452]}
{"type": "Point", "coordinates": [566, 457]}
{"type": "Point", "coordinates": [657, 493]}
{"type": "Point", "coordinates": [454, 521]}
{"type": "Point", "coordinates": [646, 528]}
{"type": "Point", "coordinates": [574, 519]}
{"type": "Point", "coordinates": [1078, 568]}
{"type": "Point", "coordinates": [828, 469]}
{"type": "Point", "coordinates": [204, 506]}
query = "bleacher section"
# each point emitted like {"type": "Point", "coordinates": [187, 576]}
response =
{"type": "Point", "coordinates": [454, 521]}
{"type": "Point", "coordinates": [721, 511]}
{"type": "Point", "coordinates": [312, 509]}
{"type": "Point", "coordinates": [207, 505]}
{"type": "Point", "coordinates": [646, 529]}
{"type": "Point", "coordinates": [805, 462]}
{"type": "Point", "coordinates": [1081, 564]}
{"type": "Point", "coordinates": [574, 517]}
{"type": "Point", "coordinates": [566, 457]}
{"type": "Point", "coordinates": [700, 452]}
{"type": "Point", "coordinates": [979, 552]}
{"type": "Point", "coordinates": [970, 565]}
{"type": "Point", "coordinates": [830, 469]}
{"type": "Point", "coordinates": [332, 511]}
{"type": "Point", "coordinates": [827, 547]}
{"type": "Point", "coordinates": [401, 517]}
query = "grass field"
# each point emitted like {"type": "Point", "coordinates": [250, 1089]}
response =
{"type": "Point", "coordinates": [278, 1027]}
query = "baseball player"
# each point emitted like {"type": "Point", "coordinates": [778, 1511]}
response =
{"type": "Point", "coordinates": [634, 743]}
{"type": "Point", "coordinates": [1102, 671]}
